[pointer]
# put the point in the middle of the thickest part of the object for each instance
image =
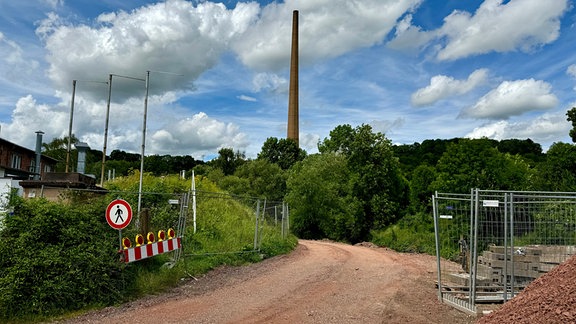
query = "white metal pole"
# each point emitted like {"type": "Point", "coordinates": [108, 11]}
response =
{"type": "Point", "coordinates": [194, 199]}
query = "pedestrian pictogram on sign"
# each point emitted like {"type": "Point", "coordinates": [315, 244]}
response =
{"type": "Point", "coordinates": [119, 214]}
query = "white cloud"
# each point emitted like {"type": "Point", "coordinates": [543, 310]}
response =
{"type": "Point", "coordinates": [270, 82]}
{"type": "Point", "coordinates": [29, 117]}
{"type": "Point", "coordinates": [387, 126]}
{"type": "Point", "coordinates": [496, 26]}
{"type": "Point", "coordinates": [199, 134]}
{"type": "Point", "coordinates": [326, 29]}
{"type": "Point", "coordinates": [408, 36]}
{"type": "Point", "coordinates": [442, 86]}
{"type": "Point", "coordinates": [309, 142]}
{"type": "Point", "coordinates": [247, 98]}
{"type": "Point", "coordinates": [189, 38]}
{"type": "Point", "coordinates": [16, 66]}
{"type": "Point", "coordinates": [172, 36]}
{"type": "Point", "coordinates": [571, 70]}
{"type": "Point", "coordinates": [502, 27]}
{"type": "Point", "coordinates": [543, 130]}
{"type": "Point", "coordinates": [54, 3]}
{"type": "Point", "coordinates": [513, 98]}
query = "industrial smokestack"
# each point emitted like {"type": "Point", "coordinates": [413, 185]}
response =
{"type": "Point", "coordinates": [293, 131]}
{"type": "Point", "coordinates": [38, 154]}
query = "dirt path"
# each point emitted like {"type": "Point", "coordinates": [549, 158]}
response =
{"type": "Point", "coordinates": [320, 282]}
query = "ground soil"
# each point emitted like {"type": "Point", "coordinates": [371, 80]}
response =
{"type": "Point", "coordinates": [319, 282]}
{"type": "Point", "coordinates": [549, 299]}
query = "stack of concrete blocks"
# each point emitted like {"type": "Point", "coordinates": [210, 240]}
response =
{"type": "Point", "coordinates": [527, 262]}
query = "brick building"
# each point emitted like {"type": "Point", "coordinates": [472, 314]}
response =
{"type": "Point", "coordinates": [19, 163]}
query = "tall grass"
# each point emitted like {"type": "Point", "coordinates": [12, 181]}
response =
{"type": "Point", "coordinates": [225, 236]}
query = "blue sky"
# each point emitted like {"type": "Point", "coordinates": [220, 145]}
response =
{"type": "Point", "coordinates": [413, 69]}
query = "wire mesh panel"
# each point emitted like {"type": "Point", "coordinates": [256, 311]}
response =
{"type": "Point", "coordinates": [218, 234]}
{"type": "Point", "coordinates": [514, 237]}
{"type": "Point", "coordinates": [452, 218]}
{"type": "Point", "coordinates": [543, 233]}
{"type": "Point", "coordinates": [275, 215]}
{"type": "Point", "coordinates": [531, 233]}
{"type": "Point", "coordinates": [490, 241]}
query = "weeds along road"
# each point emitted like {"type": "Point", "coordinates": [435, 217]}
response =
{"type": "Point", "coordinates": [319, 282]}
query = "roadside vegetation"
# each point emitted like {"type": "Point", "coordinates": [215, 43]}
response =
{"type": "Point", "coordinates": [61, 258]}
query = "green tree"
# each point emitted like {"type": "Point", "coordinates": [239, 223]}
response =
{"type": "Point", "coordinates": [530, 151]}
{"type": "Point", "coordinates": [118, 155]}
{"type": "Point", "coordinates": [476, 163]}
{"type": "Point", "coordinates": [58, 148]}
{"type": "Point", "coordinates": [376, 178]}
{"type": "Point", "coordinates": [428, 152]}
{"type": "Point", "coordinates": [263, 179]}
{"type": "Point", "coordinates": [284, 152]}
{"type": "Point", "coordinates": [572, 118]}
{"type": "Point", "coordinates": [320, 198]}
{"type": "Point", "coordinates": [420, 190]}
{"type": "Point", "coordinates": [558, 171]}
{"type": "Point", "coordinates": [228, 161]}
{"type": "Point", "coordinates": [120, 167]}
{"type": "Point", "coordinates": [157, 164]}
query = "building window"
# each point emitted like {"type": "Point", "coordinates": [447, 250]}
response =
{"type": "Point", "coordinates": [16, 161]}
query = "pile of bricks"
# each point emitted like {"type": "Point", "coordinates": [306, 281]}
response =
{"type": "Point", "coordinates": [527, 262]}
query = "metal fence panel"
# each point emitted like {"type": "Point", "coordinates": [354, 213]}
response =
{"type": "Point", "coordinates": [452, 218]}
{"type": "Point", "coordinates": [514, 237]}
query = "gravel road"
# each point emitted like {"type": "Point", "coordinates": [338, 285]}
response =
{"type": "Point", "coordinates": [319, 282]}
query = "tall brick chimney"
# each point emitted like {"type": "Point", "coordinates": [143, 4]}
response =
{"type": "Point", "coordinates": [293, 131]}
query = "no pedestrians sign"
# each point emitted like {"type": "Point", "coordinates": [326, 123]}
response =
{"type": "Point", "coordinates": [119, 214]}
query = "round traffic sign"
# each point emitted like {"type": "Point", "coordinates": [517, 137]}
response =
{"type": "Point", "coordinates": [119, 214]}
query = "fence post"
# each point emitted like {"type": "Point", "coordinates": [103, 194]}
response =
{"type": "Point", "coordinates": [262, 214]}
{"type": "Point", "coordinates": [474, 254]}
{"type": "Point", "coordinates": [437, 237]}
{"type": "Point", "coordinates": [256, 226]}
{"type": "Point", "coordinates": [282, 213]}
{"type": "Point", "coordinates": [287, 219]}
{"type": "Point", "coordinates": [506, 202]}
{"type": "Point", "coordinates": [144, 221]}
{"type": "Point", "coordinates": [512, 277]}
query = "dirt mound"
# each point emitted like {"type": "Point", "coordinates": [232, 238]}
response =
{"type": "Point", "coordinates": [548, 299]}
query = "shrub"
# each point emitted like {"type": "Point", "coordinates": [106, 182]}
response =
{"type": "Point", "coordinates": [56, 258]}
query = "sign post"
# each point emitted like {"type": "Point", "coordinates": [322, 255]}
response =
{"type": "Point", "coordinates": [119, 215]}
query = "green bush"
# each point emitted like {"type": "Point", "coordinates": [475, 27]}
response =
{"type": "Point", "coordinates": [55, 258]}
{"type": "Point", "coordinates": [413, 233]}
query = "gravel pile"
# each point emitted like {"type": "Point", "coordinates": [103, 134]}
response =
{"type": "Point", "coordinates": [548, 299]}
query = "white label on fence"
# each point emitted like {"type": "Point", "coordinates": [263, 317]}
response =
{"type": "Point", "coordinates": [490, 203]}
{"type": "Point", "coordinates": [446, 216]}
{"type": "Point", "coordinates": [173, 201]}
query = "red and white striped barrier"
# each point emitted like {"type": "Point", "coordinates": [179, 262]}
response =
{"type": "Point", "coordinates": [151, 249]}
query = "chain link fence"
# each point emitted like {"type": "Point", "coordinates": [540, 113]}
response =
{"type": "Point", "coordinates": [197, 217]}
